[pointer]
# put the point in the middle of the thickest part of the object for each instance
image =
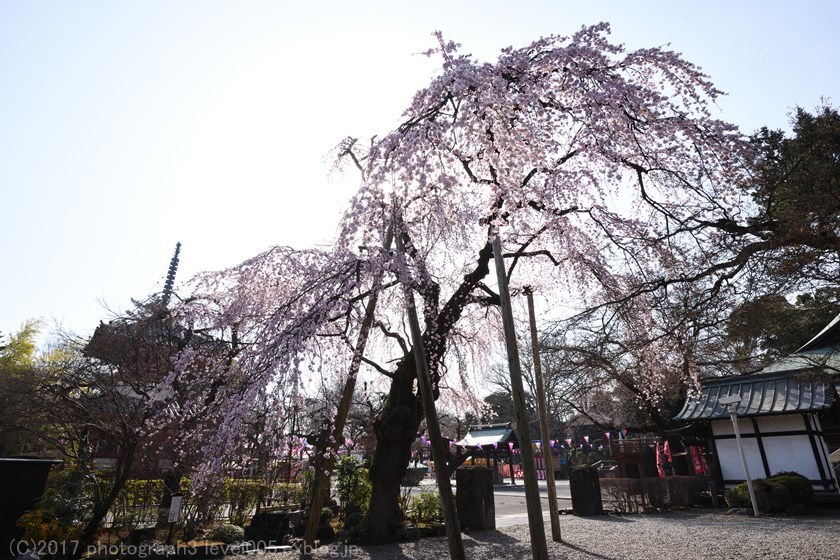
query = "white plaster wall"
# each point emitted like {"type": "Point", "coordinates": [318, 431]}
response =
{"type": "Point", "coordinates": [784, 453]}
{"type": "Point", "coordinates": [791, 453]}
{"type": "Point", "coordinates": [724, 427]}
{"type": "Point", "coordinates": [730, 461]}
{"type": "Point", "coordinates": [783, 423]}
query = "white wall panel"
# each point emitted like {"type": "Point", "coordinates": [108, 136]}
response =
{"type": "Point", "coordinates": [730, 460]}
{"type": "Point", "coordinates": [791, 453]}
{"type": "Point", "coordinates": [783, 423]}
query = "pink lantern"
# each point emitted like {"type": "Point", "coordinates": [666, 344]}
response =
{"type": "Point", "coordinates": [569, 441]}
{"type": "Point", "coordinates": [607, 434]}
{"type": "Point", "coordinates": [586, 439]}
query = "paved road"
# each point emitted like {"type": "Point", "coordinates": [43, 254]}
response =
{"type": "Point", "coordinates": [510, 500]}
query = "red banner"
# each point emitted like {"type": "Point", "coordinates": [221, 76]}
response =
{"type": "Point", "coordinates": [698, 460]}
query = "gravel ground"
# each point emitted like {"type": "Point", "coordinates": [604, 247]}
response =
{"type": "Point", "coordinates": [685, 535]}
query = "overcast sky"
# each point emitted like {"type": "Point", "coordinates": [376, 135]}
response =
{"type": "Point", "coordinates": [128, 126]}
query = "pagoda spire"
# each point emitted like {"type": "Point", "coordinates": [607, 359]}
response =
{"type": "Point", "coordinates": [170, 276]}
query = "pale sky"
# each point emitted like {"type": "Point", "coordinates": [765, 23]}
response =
{"type": "Point", "coordinates": [128, 126]}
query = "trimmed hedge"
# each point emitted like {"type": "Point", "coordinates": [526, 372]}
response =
{"type": "Point", "coordinates": [635, 494]}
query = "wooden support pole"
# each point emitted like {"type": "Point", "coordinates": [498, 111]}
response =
{"type": "Point", "coordinates": [539, 547]}
{"type": "Point", "coordinates": [542, 410]}
{"type": "Point", "coordinates": [322, 477]}
{"type": "Point", "coordinates": [424, 383]}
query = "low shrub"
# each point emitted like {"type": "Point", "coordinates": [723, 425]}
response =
{"type": "Point", "coordinates": [801, 491]}
{"type": "Point", "coordinates": [771, 496]}
{"type": "Point", "coordinates": [228, 533]}
{"type": "Point", "coordinates": [353, 485]}
{"type": "Point", "coordinates": [353, 520]}
{"type": "Point", "coordinates": [424, 508]}
{"type": "Point", "coordinates": [63, 509]}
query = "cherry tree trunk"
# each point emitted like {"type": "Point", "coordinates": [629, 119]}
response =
{"type": "Point", "coordinates": [396, 429]}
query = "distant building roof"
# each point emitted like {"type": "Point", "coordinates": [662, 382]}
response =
{"type": "Point", "coordinates": [488, 434]}
{"type": "Point", "coordinates": [761, 394]}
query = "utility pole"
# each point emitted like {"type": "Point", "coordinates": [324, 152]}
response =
{"type": "Point", "coordinates": [542, 410]}
{"type": "Point", "coordinates": [539, 547]}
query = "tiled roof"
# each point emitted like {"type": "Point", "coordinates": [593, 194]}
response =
{"type": "Point", "coordinates": [488, 435]}
{"type": "Point", "coordinates": [760, 395]}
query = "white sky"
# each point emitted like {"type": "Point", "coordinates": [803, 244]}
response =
{"type": "Point", "coordinates": [128, 126]}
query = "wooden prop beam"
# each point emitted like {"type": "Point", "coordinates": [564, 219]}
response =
{"type": "Point", "coordinates": [322, 478]}
{"type": "Point", "coordinates": [539, 547]}
{"type": "Point", "coordinates": [424, 383]}
{"type": "Point", "coordinates": [542, 410]}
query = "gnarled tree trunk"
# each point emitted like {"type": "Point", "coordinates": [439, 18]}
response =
{"type": "Point", "coordinates": [396, 426]}
{"type": "Point", "coordinates": [396, 429]}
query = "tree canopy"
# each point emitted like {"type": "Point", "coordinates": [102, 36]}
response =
{"type": "Point", "coordinates": [797, 228]}
{"type": "Point", "coordinates": [602, 171]}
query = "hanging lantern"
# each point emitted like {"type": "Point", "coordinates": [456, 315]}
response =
{"type": "Point", "coordinates": [569, 441]}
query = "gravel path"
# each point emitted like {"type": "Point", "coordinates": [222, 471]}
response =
{"type": "Point", "coordinates": [684, 535]}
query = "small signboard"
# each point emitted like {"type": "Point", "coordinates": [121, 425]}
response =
{"type": "Point", "coordinates": [175, 507]}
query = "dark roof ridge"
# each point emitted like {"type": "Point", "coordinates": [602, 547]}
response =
{"type": "Point", "coordinates": [760, 376]}
{"type": "Point", "coordinates": [825, 338]}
